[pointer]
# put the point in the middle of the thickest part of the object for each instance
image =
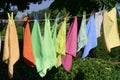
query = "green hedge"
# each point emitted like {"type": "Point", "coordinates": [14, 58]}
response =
{"type": "Point", "coordinates": [90, 69]}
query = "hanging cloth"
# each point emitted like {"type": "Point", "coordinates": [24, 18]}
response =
{"type": "Point", "coordinates": [27, 45]}
{"type": "Point", "coordinates": [11, 45]}
{"type": "Point", "coordinates": [71, 45]}
{"type": "Point", "coordinates": [111, 34]}
{"type": "Point", "coordinates": [82, 36]}
{"type": "Point", "coordinates": [38, 46]}
{"type": "Point", "coordinates": [98, 22]}
{"type": "Point", "coordinates": [49, 47]}
{"type": "Point", "coordinates": [54, 30]}
{"type": "Point", "coordinates": [60, 43]}
{"type": "Point", "coordinates": [91, 36]}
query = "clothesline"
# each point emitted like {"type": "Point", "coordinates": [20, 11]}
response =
{"type": "Point", "coordinates": [69, 17]}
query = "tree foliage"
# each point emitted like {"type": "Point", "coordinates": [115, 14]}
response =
{"type": "Point", "coordinates": [75, 6]}
{"type": "Point", "coordinates": [13, 6]}
{"type": "Point", "coordinates": [9, 5]}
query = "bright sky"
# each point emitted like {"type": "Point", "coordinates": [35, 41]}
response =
{"type": "Point", "coordinates": [35, 7]}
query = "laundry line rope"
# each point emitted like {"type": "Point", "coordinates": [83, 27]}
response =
{"type": "Point", "coordinates": [69, 17]}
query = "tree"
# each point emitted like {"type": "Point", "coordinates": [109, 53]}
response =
{"type": "Point", "coordinates": [10, 5]}
{"type": "Point", "coordinates": [75, 6]}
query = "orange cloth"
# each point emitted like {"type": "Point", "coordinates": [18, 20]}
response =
{"type": "Point", "coordinates": [27, 45]}
{"type": "Point", "coordinates": [11, 46]}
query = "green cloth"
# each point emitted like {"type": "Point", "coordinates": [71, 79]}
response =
{"type": "Point", "coordinates": [38, 47]}
{"type": "Point", "coordinates": [82, 36]}
{"type": "Point", "coordinates": [54, 31]}
{"type": "Point", "coordinates": [49, 48]}
{"type": "Point", "coordinates": [61, 43]}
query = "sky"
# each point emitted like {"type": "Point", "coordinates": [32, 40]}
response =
{"type": "Point", "coordinates": [35, 7]}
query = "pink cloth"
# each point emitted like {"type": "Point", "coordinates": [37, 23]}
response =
{"type": "Point", "coordinates": [71, 44]}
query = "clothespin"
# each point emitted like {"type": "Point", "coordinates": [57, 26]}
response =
{"type": "Point", "coordinates": [100, 9]}
{"type": "Point", "coordinates": [67, 16]}
{"type": "Point", "coordinates": [105, 8]}
{"type": "Point", "coordinates": [47, 16]}
{"type": "Point", "coordinates": [25, 20]}
{"type": "Point", "coordinates": [57, 17]}
{"type": "Point", "coordinates": [10, 16]}
{"type": "Point", "coordinates": [36, 16]}
{"type": "Point", "coordinates": [116, 5]}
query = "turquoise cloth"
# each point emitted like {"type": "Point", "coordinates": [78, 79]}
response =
{"type": "Point", "coordinates": [82, 36]}
{"type": "Point", "coordinates": [91, 35]}
{"type": "Point", "coordinates": [38, 47]}
{"type": "Point", "coordinates": [54, 31]}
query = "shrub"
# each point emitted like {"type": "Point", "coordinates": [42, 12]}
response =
{"type": "Point", "coordinates": [90, 69]}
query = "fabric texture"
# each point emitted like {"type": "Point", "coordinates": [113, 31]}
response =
{"type": "Point", "coordinates": [98, 22]}
{"type": "Point", "coordinates": [82, 36]}
{"type": "Point", "coordinates": [27, 45]}
{"type": "Point", "coordinates": [91, 36]}
{"type": "Point", "coordinates": [49, 47]}
{"type": "Point", "coordinates": [11, 46]}
{"type": "Point", "coordinates": [111, 34]}
{"type": "Point", "coordinates": [38, 47]}
{"type": "Point", "coordinates": [71, 45]}
{"type": "Point", "coordinates": [61, 43]}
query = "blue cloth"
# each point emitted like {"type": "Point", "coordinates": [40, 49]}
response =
{"type": "Point", "coordinates": [38, 48]}
{"type": "Point", "coordinates": [118, 9]}
{"type": "Point", "coordinates": [91, 35]}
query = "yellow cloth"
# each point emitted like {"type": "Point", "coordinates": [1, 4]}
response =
{"type": "Point", "coordinates": [111, 34]}
{"type": "Point", "coordinates": [61, 43]}
{"type": "Point", "coordinates": [11, 46]}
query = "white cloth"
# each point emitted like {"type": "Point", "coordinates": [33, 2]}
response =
{"type": "Point", "coordinates": [98, 22]}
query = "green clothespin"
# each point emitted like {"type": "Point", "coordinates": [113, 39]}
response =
{"type": "Point", "coordinates": [84, 13]}
{"type": "Point", "coordinates": [10, 16]}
